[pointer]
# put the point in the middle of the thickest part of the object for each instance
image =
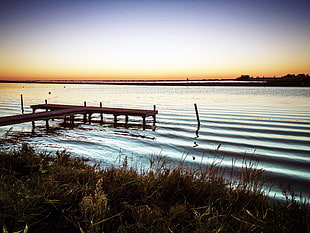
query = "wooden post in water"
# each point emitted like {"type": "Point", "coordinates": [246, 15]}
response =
{"type": "Point", "coordinates": [46, 103]}
{"type": "Point", "coordinates": [22, 103]}
{"type": "Point", "coordinates": [101, 115]}
{"type": "Point", "coordinates": [84, 118]}
{"type": "Point", "coordinates": [89, 118]}
{"type": "Point", "coordinates": [71, 120]}
{"type": "Point", "coordinates": [47, 125]}
{"type": "Point", "coordinates": [144, 122]}
{"type": "Point", "coordinates": [115, 120]}
{"type": "Point", "coordinates": [198, 120]}
{"type": "Point", "coordinates": [33, 126]}
{"type": "Point", "coordinates": [154, 116]}
{"type": "Point", "coordinates": [197, 115]}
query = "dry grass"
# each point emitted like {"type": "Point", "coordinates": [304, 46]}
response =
{"type": "Point", "coordinates": [58, 193]}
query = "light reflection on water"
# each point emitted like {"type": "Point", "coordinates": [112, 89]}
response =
{"type": "Point", "coordinates": [271, 123]}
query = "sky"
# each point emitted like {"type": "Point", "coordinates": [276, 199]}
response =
{"type": "Point", "coordinates": [153, 39]}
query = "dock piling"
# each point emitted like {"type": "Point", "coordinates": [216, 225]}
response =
{"type": "Point", "coordinates": [115, 120]}
{"type": "Point", "coordinates": [33, 127]}
{"type": "Point", "coordinates": [144, 122]}
{"type": "Point", "coordinates": [198, 120]}
{"type": "Point", "coordinates": [84, 117]}
{"type": "Point", "coordinates": [154, 116]}
{"type": "Point", "coordinates": [72, 119]}
{"type": "Point", "coordinates": [89, 118]}
{"type": "Point", "coordinates": [47, 126]}
{"type": "Point", "coordinates": [22, 103]}
{"type": "Point", "coordinates": [101, 114]}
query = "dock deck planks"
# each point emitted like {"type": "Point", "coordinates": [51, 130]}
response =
{"type": "Point", "coordinates": [93, 109]}
{"type": "Point", "coordinates": [60, 110]}
{"type": "Point", "coordinates": [17, 119]}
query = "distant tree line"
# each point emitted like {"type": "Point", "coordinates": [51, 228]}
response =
{"type": "Point", "coordinates": [288, 77]}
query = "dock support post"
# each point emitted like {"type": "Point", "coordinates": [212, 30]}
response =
{"type": "Point", "coordinates": [126, 119]}
{"type": "Point", "coordinates": [144, 122]}
{"type": "Point", "coordinates": [47, 126]}
{"type": "Point", "coordinates": [22, 103]}
{"type": "Point", "coordinates": [115, 120]}
{"type": "Point", "coordinates": [72, 120]}
{"type": "Point", "coordinates": [33, 126]}
{"type": "Point", "coordinates": [154, 116]}
{"type": "Point", "coordinates": [198, 120]}
{"type": "Point", "coordinates": [89, 118]}
{"type": "Point", "coordinates": [101, 115]}
{"type": "Point", "coordinates": [84, 118]}
{"type": "Point", "coordinates": [46, 103]}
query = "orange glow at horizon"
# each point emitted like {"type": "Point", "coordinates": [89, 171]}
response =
{"type": "Point", "coordinates": [158, 40]}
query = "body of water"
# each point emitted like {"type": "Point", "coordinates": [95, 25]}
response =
{"type": "Point", "coordinates": [271, 124]}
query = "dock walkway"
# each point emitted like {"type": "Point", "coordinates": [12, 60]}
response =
{"type": "Point", "coordinates": [62, 111]}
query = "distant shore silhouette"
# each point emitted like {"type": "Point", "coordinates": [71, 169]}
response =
{"type": "Point", "coordinates": [300, 80]}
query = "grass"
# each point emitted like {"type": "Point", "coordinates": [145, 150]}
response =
{"type": "Point", "coordinates": [42, 192]}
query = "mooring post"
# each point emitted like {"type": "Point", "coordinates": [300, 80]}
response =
{"type": "Point", "coordinates": [126, 119]}
{"type": "Point", "coordinates": [89, 118]}
{"type": "Point", "coordinates": [144, 122]}
{"type": "Point", "coordinates": [84, 118]}
{"type": "Point", "coordinates": [33, 126]}
{"type": "Point", "coordinates": [101, 115]}
{"type": "Point", "coordinates": [154, 116]}
{"type": "Point", "coordinates": [115, 120]}
{"type": "Point", "coordinates": [198, 120]}
{"type": "Point", "coordinates": [72, 119]}
{"type": "Point", "coordinates": [46, 103]}
{"type": "Point", "coordinates": [22, 103]}
{"type": "Point", "coordinates": [47, 126]}
{"type": "Point", "coordinates": [197, 115]}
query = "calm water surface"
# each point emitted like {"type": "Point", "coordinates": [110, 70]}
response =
{"type": "Point", "coordinates": [270, 123]}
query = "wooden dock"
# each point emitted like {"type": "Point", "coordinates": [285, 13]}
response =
{"type": "Point", "coordinates": [53, 111]}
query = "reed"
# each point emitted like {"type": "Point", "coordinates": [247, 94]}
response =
{"type": "Point", "coordinates": [41, 192]}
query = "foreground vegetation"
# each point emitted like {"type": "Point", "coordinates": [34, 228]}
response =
{"type": "Point", "coordinates": [58, 193]}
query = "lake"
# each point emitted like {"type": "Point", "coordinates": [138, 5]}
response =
{"type": "Point", "coordinates": [271, 124]}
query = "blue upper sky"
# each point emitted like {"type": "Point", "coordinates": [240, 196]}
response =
{"type": "Point", "coordinates": [153, 39]}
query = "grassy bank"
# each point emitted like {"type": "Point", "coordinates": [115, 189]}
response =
{"type": "Point", "coordinates": [59, 193]}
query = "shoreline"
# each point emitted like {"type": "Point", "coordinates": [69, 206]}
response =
{"type": "Point", "coordinates": [263, 83]}
{"type": "Point", "coordinates": [61, 193]}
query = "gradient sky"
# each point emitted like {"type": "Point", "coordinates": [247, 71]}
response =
{"type": "Point", "coordinates": [92, 39]}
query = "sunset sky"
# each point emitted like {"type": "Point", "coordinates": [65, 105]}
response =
{"type": "Point", "coordinates": [153, 39]}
